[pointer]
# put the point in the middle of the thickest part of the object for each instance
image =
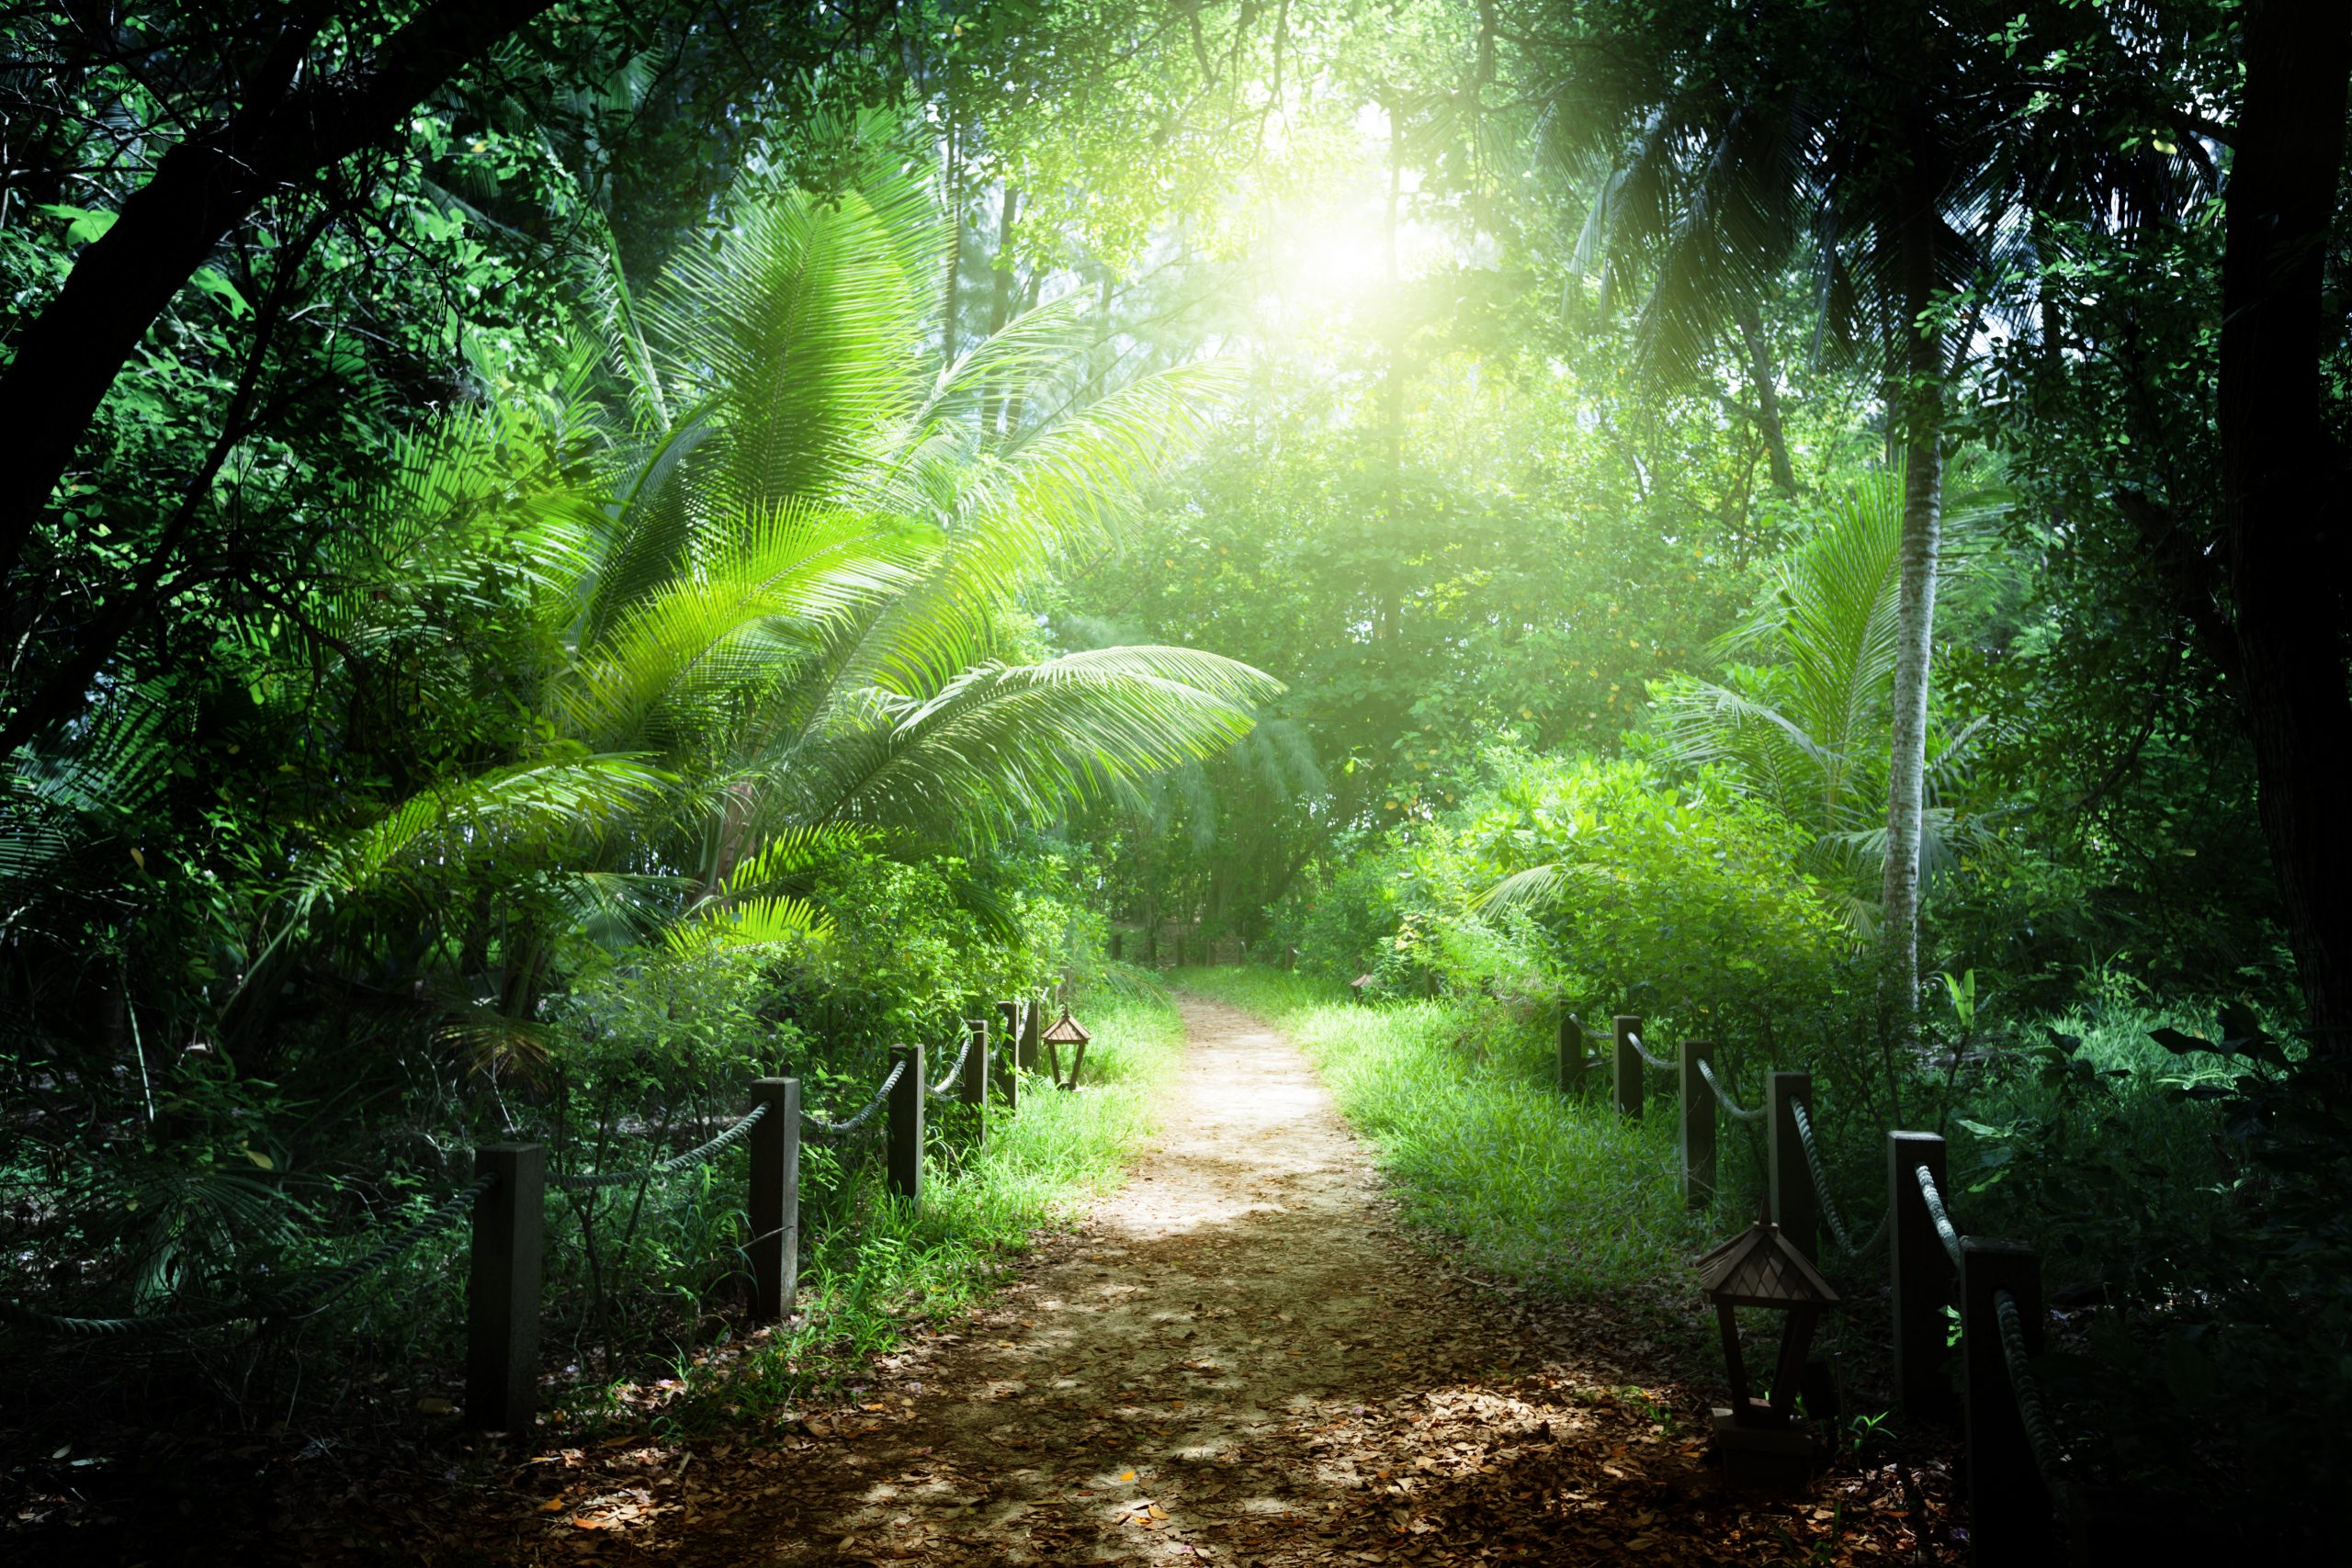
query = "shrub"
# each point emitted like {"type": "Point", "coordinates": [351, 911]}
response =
{"type": "Point", "coordinates": [1592, 883]}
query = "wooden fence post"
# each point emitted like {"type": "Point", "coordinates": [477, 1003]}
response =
{"type": "Point", "coordinates": [1033, 1026]}
{"type": "Point", "coordinates": [2009, 1508]}
{"type": "Point", "coordinates": [1792, 1180]}
{"type": "Point", "coordinates": [1698, 1124]}
{"type": "Point", "coordinates": [774, 1207]}
{"type": "Point", "coordinates": [503, 1288]}
{"type": "Point", "coordinates": [1572, 1053]}
{"type": "Point", "coordinates": [972, 1089]}
{"type": "Point", "coordinates": [1008, 1075]}
{"type": "Point", "coordinates": [1625, 1076]}
{"type": "Point", "coordinates": [905, 1123]}
{"type": "Point", "coordinates": [1919, 1275]}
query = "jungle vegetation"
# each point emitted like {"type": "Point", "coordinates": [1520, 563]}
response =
{"type": "Point", "coordinates": [558, 555]}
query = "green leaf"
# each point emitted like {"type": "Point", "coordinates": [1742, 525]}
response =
{"type": "Point", "coordinates": [2189, 1373]}
{"type": "Point", "coordinates": [210, 280]}
{"type": "Point", "coordinates": [84, 224]}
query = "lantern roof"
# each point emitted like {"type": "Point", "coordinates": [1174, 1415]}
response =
{"type": "Point", "coordinates": [1068, 1031]}
{"type": "Point", "coordinates": [1759, 1268]}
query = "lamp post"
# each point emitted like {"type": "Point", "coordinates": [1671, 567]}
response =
{"type": "Point", "coordinates": [1759, 1439]}
{"type": "Point", "coordinates": [1066, 1030]}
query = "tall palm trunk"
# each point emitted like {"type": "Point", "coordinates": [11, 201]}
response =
{"type": "Point", "coordinates": [953, 186]}
{"type": "Point", "coordinates": [1001, 304]}
{"type": "Point", "coordinates": [1923, 473]}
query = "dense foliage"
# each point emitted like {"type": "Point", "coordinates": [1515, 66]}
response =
{"type": "Point", "coordinates": [560, 556]}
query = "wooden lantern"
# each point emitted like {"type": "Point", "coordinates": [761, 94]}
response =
{"type": "Point", "coordinates": [1758, 1268]}
{"type": "Point", "coordinates": [1066, 1030]}
{"type": "Point", "coordinates": [1757, 1438]}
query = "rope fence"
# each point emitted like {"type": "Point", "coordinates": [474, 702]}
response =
{"type": "Point", "coordinates": [864, 1115]}
{"type": "Point", "coordinates": [563, 1182]}
{"type": "Point", "coordinates": [1829, 1214]}
{"type": "Point", "coordinates": [939, 1090]}
{"type": "Point", "coordinates": [2017, 1467]}
{"type": "Point", "coordinates": [2033, 1408]}
{"type": "Point", "coordinates": [1955, 1245]}
{"type": "Point", "coordinates": [1732, 1108]}
{"type": "Point", "coordinates": [1661, 1063]}
{"type": "Point", "coordinates": [506, 1204]}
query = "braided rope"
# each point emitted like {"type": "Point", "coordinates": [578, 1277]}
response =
{"type": "Point", "coordinates": [863, 1117]}
{"type": "Point", "coordinates": [2033, 1413]}
{"type": "Point", "coordinates": [292, 1303]}
{"type": "Point", "coordinates": [735, 1134]}
{"type": "Point", "coordinates": [1935, 1201]}
{"type": "Point", "coordinates": [939, 1090]}
{"type": "Point", "coordinates": [1635, 1042]}
{"type": "Point", "coordinates": [1838, 1230]}
{"type": "Point", "coordinates": [1732, 1107]}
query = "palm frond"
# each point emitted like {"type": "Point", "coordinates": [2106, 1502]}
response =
{"type": "Point", "coordinates": [759, 607]}
{"type": "Point", "coordinates": [800, 322]}
{"type": "Point", "coordinates": [771, 921]}
{"type": "Point", "coordinates": [527, 809]}
{"type": "Point", "coordinates": [1021, 743]}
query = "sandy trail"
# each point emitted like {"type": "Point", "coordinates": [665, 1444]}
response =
{"type": "Point", "coordinates": [1237, 1358]}
{"type": "Point", "coordinates": [1240, 1291]}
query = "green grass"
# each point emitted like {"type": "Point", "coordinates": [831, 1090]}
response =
{"type": "Point", "coordinates": [1457, 1102]}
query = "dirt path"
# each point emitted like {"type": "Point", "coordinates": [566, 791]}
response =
{"type": "Point", "coordinates": [1237, 1360]}
{"type": "Point", "coordinates": [1209, 1370]}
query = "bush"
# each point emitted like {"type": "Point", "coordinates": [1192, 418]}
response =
{"type": "Point", "coordinates": [1592, 883]}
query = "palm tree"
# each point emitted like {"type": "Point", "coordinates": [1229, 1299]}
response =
{"type": "Point", "coordinates": [1799, 717]}
{"type": "Point", "coordinates": [786, 629]}
{"type": "Point", "coordinates": [1907, 158]}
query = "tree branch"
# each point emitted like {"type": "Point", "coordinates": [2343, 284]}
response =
{"type": "Point", "coordinates": [295, 126]}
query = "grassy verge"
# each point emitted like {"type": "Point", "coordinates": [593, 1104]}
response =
{"type": "Point", "coordinates": [1457, 1102]}
{"type": "Point", "coordinates": [876, 1268]}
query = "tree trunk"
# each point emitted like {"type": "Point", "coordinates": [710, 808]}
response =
{"type": "Point", "coordinates": [1098, 379]}
{"type": "Point", "coordinates": [1768, 398]}
{"type": "Point", "coordinates": [295, 123]}
{"type": "Point", "coordinates": [1392, 389]}
{"type": "Point", "coordinates": [2282, 485]}
{"type": "Point", "coordinates": [1000, 305]}
{"type": "Point", "coordinates": [954, 245]}
{"type": "Point", "coordinates": [1922, 356]}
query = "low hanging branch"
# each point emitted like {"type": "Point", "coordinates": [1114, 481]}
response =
{"type": "Point", "coordinates": [293, 125]}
